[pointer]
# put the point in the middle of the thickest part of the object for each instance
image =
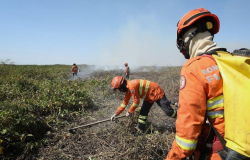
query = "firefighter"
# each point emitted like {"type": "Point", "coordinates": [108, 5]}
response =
{"type": "Point", "coordinates": [201, 88]}
{"type": "Point", "coordinates": [149, 91]}
{"type": "Point", "coordinates": [74, 70]}
{"type": "Point", "coordinates": [127, 70]}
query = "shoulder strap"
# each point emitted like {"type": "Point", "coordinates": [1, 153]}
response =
{"type": "Point", "coordinates": [214, 51]}
{"type": "Point", "coordinates": [207, 147]}
{"type": "Point", "coordinates": [222, 140]}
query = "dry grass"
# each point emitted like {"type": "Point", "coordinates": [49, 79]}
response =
{"type": "Point", "coordinates": [115, 140]}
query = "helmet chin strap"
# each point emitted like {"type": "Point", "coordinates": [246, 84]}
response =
{"type": "Point", "coordinates": [124, 87]}
{"type": "Point", "coordinates": [186, 44]}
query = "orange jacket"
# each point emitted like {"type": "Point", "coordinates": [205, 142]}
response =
{"type": "Point", "coordinates": [127, 70]}
{"type": "Point", "coordinates": [200, 92]}
{"type": "Point", "coordinates": [139, 88]}
{"type": "Point", "coordinates": [74, 69]}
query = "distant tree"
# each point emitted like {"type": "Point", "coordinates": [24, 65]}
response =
{"type": "Point", "coordinates": [6, 62]}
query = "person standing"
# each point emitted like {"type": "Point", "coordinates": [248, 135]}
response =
{"type": "Point", "coordinates": [200, 121]}
{"type": "Point", "coordinates": [74, 70]}
{"type": "Point", "coordinates": [127, 70]}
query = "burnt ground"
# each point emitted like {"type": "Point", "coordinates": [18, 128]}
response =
{"type": "Point", "coordinates": [114, 140]}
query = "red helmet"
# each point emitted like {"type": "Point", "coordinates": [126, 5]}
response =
{"type": "Point", "coordinates": [117, 82]}
{"type": "Point", "coordinates": [200, 18]}
{"type": "Point", "coordinates": [125, 64]}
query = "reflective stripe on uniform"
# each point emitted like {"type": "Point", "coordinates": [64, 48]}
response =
{"type": "Point", "coordinates": [123, 105]}
{"type": "Point", "coordinates": [173, 115]}
{"type": "Point", "coordinates": [146, 88]}
{"type": "Point", "coordinates": [141, 85]}
{"type": "Point", "coordinates": [215, 103]}
{"type": "Point", "coordinates": [143, 117]}
{"type": "Point", "coordinates": [215, 114]}
{"type": "Point", "coordinates": [135, 105]}
{"type": "Point", "coordinates": [185, 143]}
{"type": "Point", "coordinates": [141, 121]}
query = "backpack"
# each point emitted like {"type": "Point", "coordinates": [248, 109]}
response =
{"type": "Point", "coordinates": [235, 71]}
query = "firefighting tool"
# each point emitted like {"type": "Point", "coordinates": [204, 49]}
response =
{"type": "Point", "coordinates": [235, 71]}
{"type": "Point", "coordinates": [94, 123]}
{"type": "Point", "coordinates": [234, 68]}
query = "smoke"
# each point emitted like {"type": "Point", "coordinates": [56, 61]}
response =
{"type": "Point", "coordinates": [141, 43]}
{"type": "Point", "coordinates": [86, 71]}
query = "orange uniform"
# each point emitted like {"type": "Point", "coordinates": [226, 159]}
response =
{"type": "Point", "coordinates": [127, 70]}
{"type": "Point", "coordinates": [74, 69]}
{"type": "Point", "coordinates": [138, 88]}
{"type": "Point", "coordinates": [201, 96]}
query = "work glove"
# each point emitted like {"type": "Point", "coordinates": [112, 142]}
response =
{"type": "Point", "coordinates": [128, 114]}
{"type": "Point", "coordinates": [113, 117]}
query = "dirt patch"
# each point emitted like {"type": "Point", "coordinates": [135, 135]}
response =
{"type": "Point", "coordinates": [114, 140]}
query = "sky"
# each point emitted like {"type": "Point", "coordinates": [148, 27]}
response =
{"type": "Point", "coordinates": [110, 32]}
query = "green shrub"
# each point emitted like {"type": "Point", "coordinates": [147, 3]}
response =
{"type": "Point", "coordinates": [33, 100]}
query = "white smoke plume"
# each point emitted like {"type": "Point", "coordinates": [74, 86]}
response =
{"type": "Point", "coordinates": [142, 42]}
{"type": "Point", "coordinates": [85, 71]}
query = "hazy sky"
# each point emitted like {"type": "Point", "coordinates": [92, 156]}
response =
{"type": "Point", "coordinates": [109, 32]}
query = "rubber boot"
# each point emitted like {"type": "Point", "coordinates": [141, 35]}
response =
{"type": "Point", "coordinates": [141, 127]}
